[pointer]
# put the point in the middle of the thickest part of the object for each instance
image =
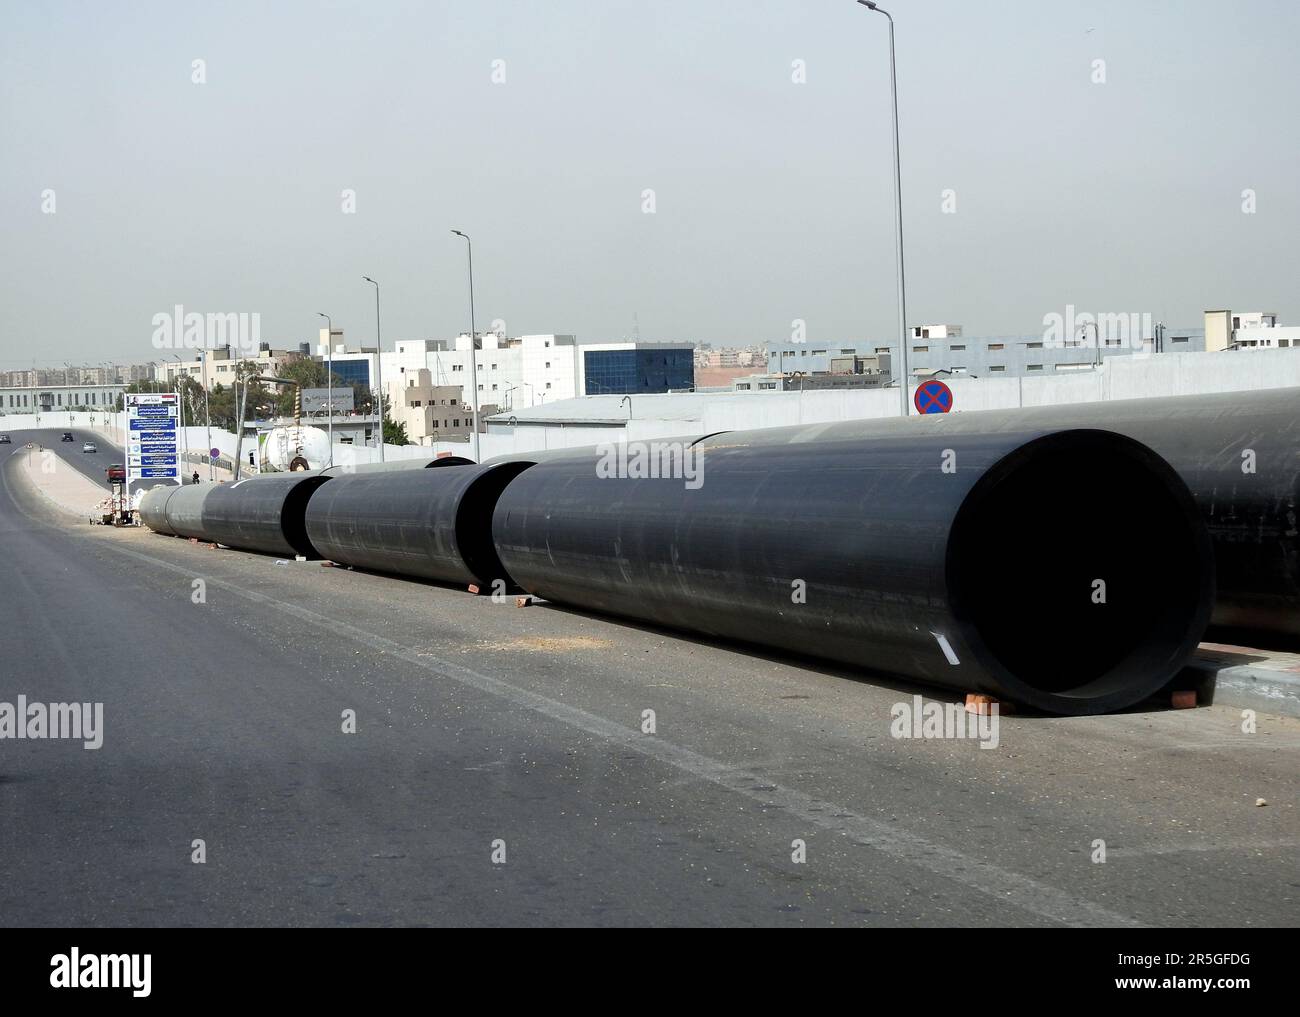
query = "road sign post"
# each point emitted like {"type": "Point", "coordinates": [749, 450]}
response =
{"type": "Point", "coordinates": [150, 438]}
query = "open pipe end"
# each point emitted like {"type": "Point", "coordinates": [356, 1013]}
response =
{"type": "Point", "coordinates": [293, 518]}
{"type": "Point", "coordinates": [1081, 573]}
{"type": "Point", "coordinates": [474, 524]}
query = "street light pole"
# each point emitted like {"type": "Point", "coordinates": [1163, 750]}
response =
{"type": "Point", "coordinates": [898, 208]}
{"type": "Point", "coordinates": [379, 366]}
{"type": "Point", "coordinates": [800, 375]}
{"type": "Point", "coordinates": [1097, 336]}
{"type": "Point", "coordinates": [207, 416]}
{"type": "Point", "coordinates": [473, 348]}
{"type": "Point", "coordinates": [329, 380]}
{"type": "Point", "coordinates": [241, 398]}
{"type": "Point", "coordinates": [179, 388]}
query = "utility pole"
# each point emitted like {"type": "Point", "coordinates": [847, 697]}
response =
{"type": "Point", "coordinates": [207, 415]}
{"type": "Point", "coordinates": [898, 210]}
{"type": "Point", "coordinates": [241, 401]}
{"type": "Point", "coordinates": [473, 349]}
{"type": "Point", "coordinates": [329, 380]}
{"type": "Point", "coordinates": [379, 366]}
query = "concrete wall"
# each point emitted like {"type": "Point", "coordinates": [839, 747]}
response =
{"type": "Point", "coordinates": [691, 414]}
{"type": "Point", "coordinates": [1131, 377]}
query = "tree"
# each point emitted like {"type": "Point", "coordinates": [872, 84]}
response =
{"type": "Point", "coordinates": [262, 400]}
{"type": "Point", "coordinates": [395, 433]}
{"type": "Point", "coordinates": [308, 373]}
{"type": "Point", "coordinates": [362, 398]}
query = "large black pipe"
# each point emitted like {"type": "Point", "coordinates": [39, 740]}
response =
{"type": "Point", "coordinates": [153, 508]}
{"type": "Point", "coordinates": [435, 524]}
{"type": "Point", "coordinates": [397, 466]}
{"type": "Point", "coordinates": [1238, 453]}
{"type": "Point", "coordinates": [262, 514]}
{"type": "Point", "coordinates": [183, 511]}
{"type": "Point", "coordinates": [964, 560]}
{"type": "Point", "coordinates": [580, 451]}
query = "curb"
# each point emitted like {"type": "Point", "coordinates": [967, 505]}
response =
{"type": "Point", "coordinates": [1250, 686]}
{"type": "Point", "coordinates": [80, 514]}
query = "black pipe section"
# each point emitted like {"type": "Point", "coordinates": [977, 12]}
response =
{"type": "Point", "coordinates": [153, 508]}
{"type": "Point", "coordinates": [183, 512]}
{"type": "Point", "coordinates": [969, 561]}
{"type": "Point", "coordinates": [584, 451]}
{"type": "Point", "coordinates": [397, 467]}
{"type": "Point", "coordinates": [435, 524]}
{"type": "Point", "coordinates": [1238, 453]}
{"type": "Point", "coordinates": [265, 513]}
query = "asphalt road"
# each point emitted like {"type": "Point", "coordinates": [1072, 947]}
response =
{"type": "Point", "coordinates": [478, 722]}
{"type": "Point", "coordinates": [90, 464]}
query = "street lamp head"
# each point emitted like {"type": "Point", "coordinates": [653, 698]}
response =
{"type": "Point", "coordinates": [460, 234]}
{"type": "Point", "coordinates": [867, 3]}
{"type": "Point", "coordinates": [369, 280]}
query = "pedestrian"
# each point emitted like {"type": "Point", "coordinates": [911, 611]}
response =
{"type": "Point", "coordinates": [195, 479]}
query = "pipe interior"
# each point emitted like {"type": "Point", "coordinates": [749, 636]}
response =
{"type": "Point", "coordinates": [474, 523]}
{"type": "Point", "coordinates": [1027, 552]}
{"type": "Point", "coordinates": [293, 516]}
{"type": "Point", "coordinates": [434, 464]}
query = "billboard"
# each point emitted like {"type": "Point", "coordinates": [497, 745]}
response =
{"type": "Point", "coordinates": [318, 400]}
{"type": "Point", "coordinates": [150, 439]}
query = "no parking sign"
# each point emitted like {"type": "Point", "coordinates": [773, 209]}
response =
{"type": "Point", "coordinates": [933, 397]}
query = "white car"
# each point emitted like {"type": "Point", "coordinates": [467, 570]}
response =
{"type": "Point", "coordinates": [89, 447]}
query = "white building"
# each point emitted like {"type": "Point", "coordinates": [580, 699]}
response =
{"type": "Point", "coordinates": [512, 372]}
{"type": "Point", "coordinates": [217, 367]}
{"type": "Point", "coordinates": [936, 331]}
{"type": "Point", "coordinates": [536, 370]}
{"type": "Point", "coordinates": [430, 413]}
{"type": "Point", "coordinates": [1277, 337]}
{"type": "Point", "coordinates": [57, 398]}
{"type": "Point", "coordinates": [1223, 328]}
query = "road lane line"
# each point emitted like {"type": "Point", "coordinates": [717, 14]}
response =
{"type": "Point", "coordinates": [1003, 885]}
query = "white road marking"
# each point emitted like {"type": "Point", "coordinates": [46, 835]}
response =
{"type": "Point", "coordinates": [1001, 884]}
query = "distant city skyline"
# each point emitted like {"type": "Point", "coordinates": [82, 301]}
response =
{"type": "Point", "coordinates": [681, 172]}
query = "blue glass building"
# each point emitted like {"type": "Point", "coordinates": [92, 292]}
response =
{"type": "Point", "coordinates": [353, 372]}
{"type": "Point", "coordinates": [629, 371]}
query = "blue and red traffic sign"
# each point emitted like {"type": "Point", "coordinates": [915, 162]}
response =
{"type": "Point", "coordinates": [933, 397]}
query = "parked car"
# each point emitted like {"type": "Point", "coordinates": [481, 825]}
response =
{"type": "Point", "coordinates": [90, 446]}
{"type": "Point", "coordinates": [67, 436]}
{"type": "Point", "coordinates": [5, 439]}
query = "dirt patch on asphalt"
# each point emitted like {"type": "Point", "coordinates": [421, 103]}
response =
{"type": "Point", "coordinates": [551, 644]}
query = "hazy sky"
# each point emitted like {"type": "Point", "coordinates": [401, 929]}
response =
{"type": "Point", "coordinates": [773, 199]}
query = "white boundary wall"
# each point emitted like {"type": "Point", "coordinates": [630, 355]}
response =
{"type": "Point", "coordinates": [1135, 377]}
